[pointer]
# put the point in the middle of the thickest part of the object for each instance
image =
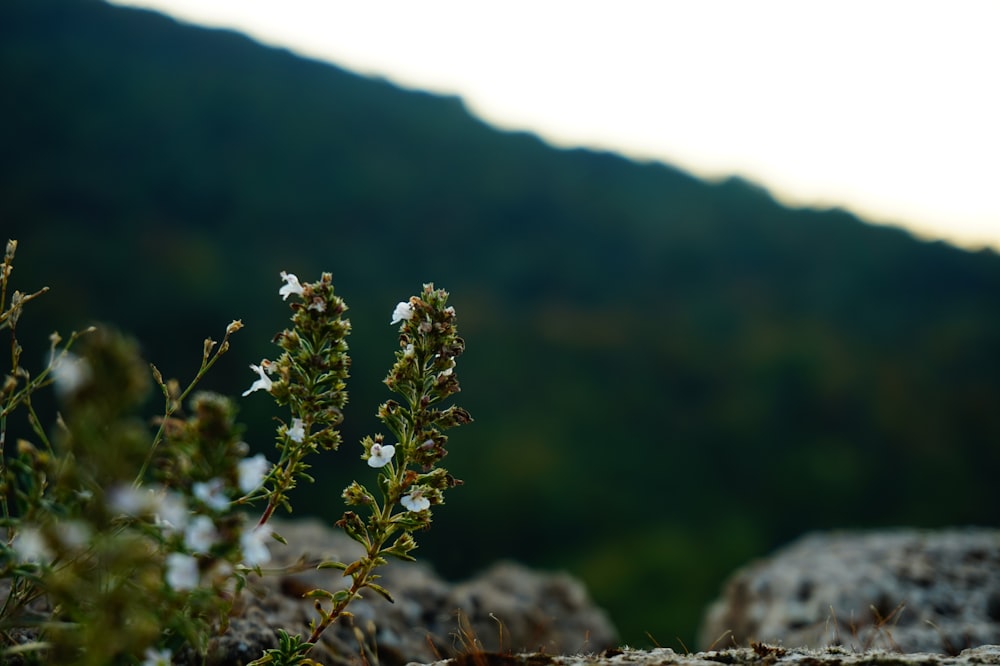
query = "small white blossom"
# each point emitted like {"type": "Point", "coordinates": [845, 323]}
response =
{"type": "Point", "coordinates": [409, 351]}
{"type": "Point", "coordinates": [415, 501]}
{"type": "Point", "coordinates": [168, 508]}
{"type": "Point", "coordinates": [200, 534]}
{"type": "Point", "coordinates": [31, 546]}
{"type": "Point", "coordinates": [254, 546]}
{"type": "Point", "coordinates": [70, 373]}
{"type": "Point", "coordinates": [297, 432]}
{"type": "Point", "coordinates": [318, 304]}
{"type": "Point", "coordinates": [211, 493]}
{"type": "Point", "coordinates": [154, 657]}
{"type": "Point", "coordinates": [291, 286]}
{"type": "Point", "coordinates": [251, 472]}
{"type": "Point", "coordinates": [263, 382]}
{"type": "Point", "coordinates": [381, 455]}
{"type": "Point", "coordinates": [402, 312]}
{"type": "Point", "coordinates": [182, 571]}
{"type": "Point", "coordinates": [130, 501]}
{"type": "Point", "coordinates": [171, 512]}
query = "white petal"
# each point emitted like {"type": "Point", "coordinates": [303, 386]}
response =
{"type": "Point", "coordinates": [297, 432]}
{"type": "Point", "coordinates": [200, 534]}
{"type": "Point", "coordinates": [402, 312]}
{"type": "Point", "coordinates": [291, 286]}
{"type": "Point", "coordinates": [251, 472]}
{"type": "Point", "coordinates": [264, 382]}
{"type": "Point", "coordinates": [255, 551]}
{"type": "Point", "coordinates": [182, 571]}
{"type": "Point", "coordinates": [381, 455]}
{"type": "Point", "coordinates": [415, 501]}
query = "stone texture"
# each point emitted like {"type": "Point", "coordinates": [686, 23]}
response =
{"type": "Point", "coordinates": [757, 655]}
{"type": "Point", "coordinates": [508, 608]}
{"type": "Point", "coordinates": [901, 590]}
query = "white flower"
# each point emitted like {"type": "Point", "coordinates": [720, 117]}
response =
{"type": "Point", "coordinates": [157, 657]}
{"type": "Point", "coordinates": [264, 382]}
{"type": "Point", "coordinates": [290, 287]}
{"type": "Point", "coordinates": [168, 508]}
{"type": "Point", "coordinates": [131, 501]}
{"type": "Point", "coordinates": [415, 501]}
{"type": "Point", "coordinates": [171, 512]}
{"type": "Point", "coordinates": [200, 534]}
{"type": "Point", "coordinates": [381, 455]}
{"type": "Point", "coordinates": [318, 304]}
{"type": "Point", "coordinates": [70, 373]}
{"type": "Point", "coordinates": [254, 546]}
{"type": "Point", "coordinates": [251, 472]}
{"type": "Point", "coordinates": [409, 351]}
{"type": "Point", "coordinates": [402, 312]}
{"type": "Point", "coordinates": [297, 432]}
{"type": "Point", "coordinates": [182, 571]}
{"type": "Point", "coordinates": [211, 493]}
{"type": "Point", "coordinates": [31, 546]}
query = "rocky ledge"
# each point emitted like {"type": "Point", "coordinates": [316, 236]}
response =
{"type": "Point", "coordinates": [506, 609]}
{"type": "Point", "coordinates": [895, 597]}
{"type": "Point", "coordinates": [903, 590]}
{"type": "Point", "coordinates": [757, 655]}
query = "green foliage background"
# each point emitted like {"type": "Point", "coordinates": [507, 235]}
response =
{"type": "Point", "coordinates": [669, 377]}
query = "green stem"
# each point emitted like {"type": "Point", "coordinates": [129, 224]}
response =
{"type": "Point", "coordinates": [173, 404]}
{"type": "Point", "coordinates": [374, 548]}
{"type": "Point", "coordinates": [361, 577]}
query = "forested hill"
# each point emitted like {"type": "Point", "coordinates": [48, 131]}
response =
{"type": "Point", "coordinates": [668, 376]}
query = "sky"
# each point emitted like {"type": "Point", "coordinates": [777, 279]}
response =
{"type": "Point", "coordinates": [888, 108]}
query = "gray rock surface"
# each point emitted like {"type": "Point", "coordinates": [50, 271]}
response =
{"type": "Point", "coordinates": [758, 655]}
{"type": "Point", "coordinates": [900, 590]}
{"type": "Point", "coordinates": [507, 608]}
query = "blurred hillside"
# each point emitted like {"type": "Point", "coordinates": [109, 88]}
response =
{"type": "Point", "coordinates": [668, 376]}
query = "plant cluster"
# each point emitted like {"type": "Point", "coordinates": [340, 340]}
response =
{"type": "Point", "coordinates": [123, 542]}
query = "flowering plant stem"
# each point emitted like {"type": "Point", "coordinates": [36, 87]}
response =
{"type": "Point", "coordinates": [410, 481]}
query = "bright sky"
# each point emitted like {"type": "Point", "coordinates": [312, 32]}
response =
{"type": "Point", "coordinates": [890, 108]}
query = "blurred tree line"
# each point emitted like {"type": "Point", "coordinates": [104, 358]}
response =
{"type": "Point", "coordinates": [669, 377]}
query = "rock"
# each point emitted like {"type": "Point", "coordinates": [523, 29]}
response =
{"type": "Point", "coordinates": [506, 609]}
{"type": "Point", "coordinates": [901, 590]}
{"type": "Point", "coordinates": [757, 655]}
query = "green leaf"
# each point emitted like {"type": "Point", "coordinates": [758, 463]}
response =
{"type": "Point", "coordinates": [353, 566]}
{"type": "Point", "coordinates": [332, 564]}
{"type": "Point", "coordinates": [341, 595]}
{"type": "Point", "coordinates": [319, 594]}
{"type": "Point", "coordinates": [382, 592]}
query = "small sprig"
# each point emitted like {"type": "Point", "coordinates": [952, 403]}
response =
{"type": "Point", "coordinates": [409, 483]}
{"type": "Point", "coordinates": [9, 315]}
{"type": "Point", "coordinates": [172, 395]}
{"type": "Point", "coordinates": [310, 378]}
{"type": "Point", "coordinates": [18, 385]}
{"type": "Point", "coordinates": [291, 651]}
